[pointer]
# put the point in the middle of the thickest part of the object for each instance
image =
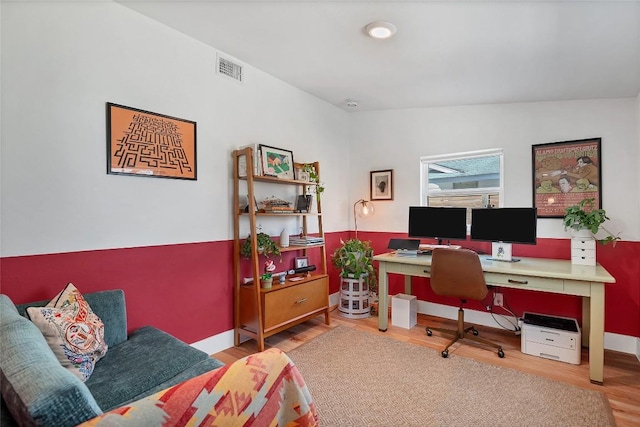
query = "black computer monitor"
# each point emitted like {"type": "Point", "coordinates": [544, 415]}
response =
{"type": "Point", "coordinates": [442, 223]}
{"type": "Point", "coordinates": [508, 225]}
{"type": "Point", "coordinates": [502, 227]}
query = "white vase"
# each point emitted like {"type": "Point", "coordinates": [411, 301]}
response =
{"type": "Point", "coordinates": [284, 238]}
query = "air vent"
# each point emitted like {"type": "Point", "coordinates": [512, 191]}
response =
{"type": "Point", "coordinates": [228, 68]}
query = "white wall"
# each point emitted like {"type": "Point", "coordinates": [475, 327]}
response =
{"type": "Point", "coordinates": [395, 139]}
{"type": "Point", "coordinates": [62, 61]}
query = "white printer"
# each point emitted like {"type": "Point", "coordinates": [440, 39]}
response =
{"type": "Point", "coordinates": [551, 337]}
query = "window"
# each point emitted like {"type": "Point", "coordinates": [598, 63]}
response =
{"type": "Point", "coordinates": [471, 180]}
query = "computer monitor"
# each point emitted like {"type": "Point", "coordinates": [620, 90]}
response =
{"type": "Point", "coordinates": [442, 223]}
{"type": "Point", "coordinates": [504, 226]}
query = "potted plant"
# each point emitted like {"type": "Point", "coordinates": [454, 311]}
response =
{"type": "Point", "coordinates": [355, 259]}
{"type": "Point", "coordinates": [266, 246]}
{"type": "Point", "coordinates": [314, 177]}
{"type": "Point", "coordinates": [266, 280]}
{"type": "Point", "coordinates": [584, 216]}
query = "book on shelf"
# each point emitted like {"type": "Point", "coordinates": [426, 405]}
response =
{"type": "Point", "coordinates": [305, 241]}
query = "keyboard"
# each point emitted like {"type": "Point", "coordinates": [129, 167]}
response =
{"type": "Point", "coordinates": [432, 247]}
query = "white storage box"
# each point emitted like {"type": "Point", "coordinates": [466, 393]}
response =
{"type": "Point", "coordinates": [556, 338]}
{"type": "Point", "coordinates": [583, 251]}
{"type": "Point", "coordinates": [404, 311]}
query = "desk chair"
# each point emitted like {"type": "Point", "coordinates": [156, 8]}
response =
{"type": "Point", "coordinates": [458, 273]}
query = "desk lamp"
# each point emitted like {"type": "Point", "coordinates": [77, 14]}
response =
{"type": "Point", "coordinates": [361, 208]}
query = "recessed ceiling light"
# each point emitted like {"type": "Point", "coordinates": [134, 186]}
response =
{"type": "Point", "coordinates": [381, 29]}
{"type": "Point", "coordinates": [351, 103]}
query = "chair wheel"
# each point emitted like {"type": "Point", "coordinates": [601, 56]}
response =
{"type": "Point", "coordinates": [500, 354]}
{"type": "Point", "coordinates": [445, 353]}
{"type": "Point", "coordinates": [429, 333]}
{"type": "Point", "coordinates": [475, 332]}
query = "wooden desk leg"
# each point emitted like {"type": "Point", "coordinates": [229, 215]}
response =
{"type": "Point", "coordinates": [407, 285]}
{"type": "Point", "coordinates": [596, 333]}
{"type": "Point", "coordinates": [383, 297]}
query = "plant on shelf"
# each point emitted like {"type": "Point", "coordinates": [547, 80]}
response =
{"type": "Point", "coordinates": [266, 246]}
{"type": "Point", "coordinates": [584, 216]}
{"type": "Point", "coordinates": [266, 280]}
{"type": "Point", "coordinates": [313, 176]}
{"type": "Point", "coordinates": [355, 259]}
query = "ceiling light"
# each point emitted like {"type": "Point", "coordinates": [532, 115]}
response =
{"type": "Point", "coordinates": [351, 103]}
{"type": "Point", "coordinates": [381, 29]}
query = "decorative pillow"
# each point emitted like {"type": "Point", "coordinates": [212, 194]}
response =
{"type": "Point", "coordinates": [72, 330]}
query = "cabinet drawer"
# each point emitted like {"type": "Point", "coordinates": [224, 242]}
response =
{"type": "Point", "coordinates": [583, 260]}
{"type": "Point", "coordinates": [292, 302]}
{"type": "Point", "coordinates": [583, 244]}
{"type": "Point", "coordinates": [524, 282]}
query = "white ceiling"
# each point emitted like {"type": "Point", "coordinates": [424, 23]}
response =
{"type": "Point", "coordinates": [444, 52]}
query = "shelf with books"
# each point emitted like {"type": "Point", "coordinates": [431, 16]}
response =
{"type": "Point", "coordinates": [259, 314]}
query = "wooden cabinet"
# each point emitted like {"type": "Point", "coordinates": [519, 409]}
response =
{"type": "Point", "coordinates": [260, 313]}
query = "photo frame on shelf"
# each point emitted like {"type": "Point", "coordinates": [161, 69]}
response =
{"type": "Point", "coordinates": [143, 143]}
{"type": "Point", "coordinates": [303, 203]}
{"type": "Point", "coordinates": [381, 184]}
{"type": "Point", "coordinates": [277, 162]}
{"type": "Point", "coordinates": [301, 261]}
{"type": "Point", "coordinates": [302, 175]}
{"type": "Point", "coordinates": [564, 173]}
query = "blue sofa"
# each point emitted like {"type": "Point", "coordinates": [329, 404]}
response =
{"type": "Point", "coordinates": [38, 391]}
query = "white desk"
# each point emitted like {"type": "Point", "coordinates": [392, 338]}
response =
{"type": "Point", "coordinates": [534, 274]}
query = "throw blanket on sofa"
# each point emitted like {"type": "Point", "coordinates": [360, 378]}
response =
{"type": "Point", "coordinates": [263, 389]}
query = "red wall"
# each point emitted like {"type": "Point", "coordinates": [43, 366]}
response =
{"type": "Point", "coordinates": [187, 289]}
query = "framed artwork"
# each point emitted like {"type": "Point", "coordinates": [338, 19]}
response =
{"type": "Point", "coordinates": [382, 185]}
{"type": "Point", "coordinates": [277, 162]}
{"type": "Point", "coordinates": [302, 175]}
{"type": "Point", "coordinates": [564, 173]}
{"type": "Point", "coordinates": [301, 261]}
{"type": "Point", "coordinates": [142, 143]}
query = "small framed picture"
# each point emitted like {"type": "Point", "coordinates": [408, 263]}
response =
{"type": "Point", "coordinates": [301, 261]}
{"type": "Point", "coordinates": [277, 162]}
{"type": "Point", "coordinates": [303, 203]}
{"type": "Point", "coordinates": [382, 185]}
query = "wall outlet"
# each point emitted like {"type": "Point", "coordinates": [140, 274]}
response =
{"type": "Point", "coordinates": [498, 299]}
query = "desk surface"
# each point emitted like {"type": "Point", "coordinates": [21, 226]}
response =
{"type": "Point", "coordinates": [538, 267]}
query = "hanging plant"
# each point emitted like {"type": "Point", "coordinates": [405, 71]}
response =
{"type": "Point", "coordinates": [314, 177]}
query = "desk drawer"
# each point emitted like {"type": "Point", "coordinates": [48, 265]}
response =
{"type": "Point", "coordinates": [416, 270]}
{"type": "Point", "coordinates": [524, 282]}
{"type": "Point", "coordinates": [292, 302]}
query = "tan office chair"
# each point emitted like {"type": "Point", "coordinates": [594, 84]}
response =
{"type": "Point", "coordinates": [458, 273]}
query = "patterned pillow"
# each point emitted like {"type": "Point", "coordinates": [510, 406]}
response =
{"type": "Point", "coordinates": [73, 331]}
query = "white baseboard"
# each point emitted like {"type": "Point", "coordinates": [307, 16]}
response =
{"type": "Point", "coordinates": [616, 342]}
{"type": "Point", "coordinates": [215, 343]}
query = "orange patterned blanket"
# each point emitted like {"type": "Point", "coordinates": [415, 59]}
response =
{"type": "Point", "coordinates": [263, 389]}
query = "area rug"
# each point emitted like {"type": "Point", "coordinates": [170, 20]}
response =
{"type": "Point", "coordinates": [361, 379]}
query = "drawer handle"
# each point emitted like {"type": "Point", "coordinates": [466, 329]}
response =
{"type": "Point", "coordinates": [518, 282]}
{"type": "Point", "coordinates": [426, 271]}
{"type": "Point", "coordinates": [301, 301]}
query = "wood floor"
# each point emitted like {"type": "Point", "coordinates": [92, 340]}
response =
{"type": "Point", "coordinates": [621, 371]}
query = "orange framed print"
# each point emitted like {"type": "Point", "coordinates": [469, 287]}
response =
{"type": "Point", "coordinates": [142, 143]}
{"type": "Point", "coordinates": [564, 173]}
